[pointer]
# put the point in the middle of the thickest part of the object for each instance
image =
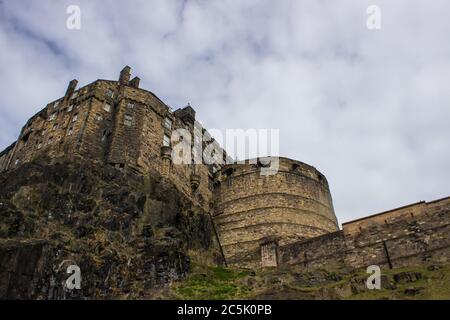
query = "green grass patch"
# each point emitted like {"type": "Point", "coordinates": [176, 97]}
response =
{"type": "Point", "coordinates": [215, 283]}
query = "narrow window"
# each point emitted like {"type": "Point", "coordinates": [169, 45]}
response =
{"type": "Point", "coordinates": [50, 140]}
{"type": "Point", "coordinates": [211, 185]}
{"type": "Point", "coordinates": [128, 120]}
{"type": "Point", "coordinates": [52, 117]}
{"type": "Point", "coordinates": [69, 133]}
{"type": "Point", "coordinates": [70, 108]}
{"type": "Point", "coordinates": [55, 127]}
{"type": "Point", "coordinates": [39, 145]}
{"type": "Point", "coordinates": [230, 181]}
{"type": "Point", "coordinates": [75, 117]}
{"type": "Point", "coordinates": [168, 123]}
{"type": "Point", "coordinates": [107, 107]}
{"type": "Point", "coordinates": [17, 162]}
{"type": "Point", "coordinates": [104, 135]}
{"type": "Point", "coordinates": [166, 141]}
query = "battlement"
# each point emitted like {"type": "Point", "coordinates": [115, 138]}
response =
{"type": "Point", "coordinates": [390, 216]}
{"type": "Point", "coordinates": [250, 207]}
{"type": "Point", "coordinates": [411, 235]}
{"type": "Point", "coordinates": [284, 165]}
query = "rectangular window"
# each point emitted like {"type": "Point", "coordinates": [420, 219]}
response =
{"type": "Point", "coordinates": [211, 185]}
{"type": "Point", "coordinates": [229, 181]}
{"type": "Point", "coordinates": [168, 123]}
{"type": "Point", "coordinates": [130, 105]}
{"type": "Point", "coordinates": [17, 162]}
{"type": "Point", "coordinates": [166, 141]}
{"type": "Point", "coordinates": [70, 108]}
{"type": "Point", "coordinates": [75, 117]}
{"type": "Point", "coordinates": [107, 107]}
{"type": "Point", "coordinates": [128, 120]}
{"type": "Point", "coordinates": [69, 133]}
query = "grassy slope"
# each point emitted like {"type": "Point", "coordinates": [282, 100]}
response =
{"type": "Point", "coordinates": [228, 283]}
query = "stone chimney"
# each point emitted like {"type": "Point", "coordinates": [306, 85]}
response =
{"type": "Point", "coordinates": [135, 82]}
{"type": "Point", "coordinates": [125, 76]}
{"type": "Point", "coordinates": [187, 114]}
{"type": "Point", "coordinates": [71, 88]}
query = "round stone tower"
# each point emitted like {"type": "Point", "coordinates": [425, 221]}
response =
{"type": "Point", "coordinates": [255, 213]}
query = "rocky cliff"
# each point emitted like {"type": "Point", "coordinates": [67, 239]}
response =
{"type": "Point", "coordinates": [129, 235]}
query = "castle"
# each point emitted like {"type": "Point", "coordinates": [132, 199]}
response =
{"type": "Point", "coordinates": [260, 220]}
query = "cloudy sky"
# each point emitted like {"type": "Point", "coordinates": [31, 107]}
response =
{"type": "Point", "coordinates": [369, 108]}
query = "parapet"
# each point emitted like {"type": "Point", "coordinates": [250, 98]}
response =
{"type": "Point", "coordinates": [292, 205]}
{"type": "Point", "coordinates": [393, 215]}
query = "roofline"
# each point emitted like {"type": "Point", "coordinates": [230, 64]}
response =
{"type": "Point", "coordinates": [247, 161]}
{"type": "Point", "coordinates": [384, 212]}
{"type": "Point", "coordinates": [403, 207]}
{"type": "Point", "coordinates": [8, 148]}
{"type": "Point", "coordinates": [441, 199]}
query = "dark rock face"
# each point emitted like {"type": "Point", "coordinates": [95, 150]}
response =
{"type": "Point", "coordinates": [407, 277]}
{"type": "Point", "coordinates": [129, 235]}
{"type": "Point", "coordinates": [19, 265]}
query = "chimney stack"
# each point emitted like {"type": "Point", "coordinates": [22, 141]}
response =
{"type": "Point", "coordinates": [71, 88]}
{"type": "Point", "coordinates": [125, 76]}
{"type": "Point", "coordinates": [135, 82]}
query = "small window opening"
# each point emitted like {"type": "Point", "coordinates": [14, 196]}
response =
{"type": "Point", "coordinates": [168, 123]}
{"type": "Point", "coordinates": [166, 141]}
{"type": "Point", "coordinates": [128, 120]}
{"type": "Point", "coordinates": [105, 135]}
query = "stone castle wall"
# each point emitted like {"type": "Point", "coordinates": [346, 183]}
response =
{"type": "Point", "coordinates": [116, 123]}
{"type": "Point", "coordinates": [251, 209]}
{"type": "Point", "coordinates": [411, 235]}
{"type": "Point", "coordinates": [261, 220]}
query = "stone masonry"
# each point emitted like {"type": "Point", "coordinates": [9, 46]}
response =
{"type": "Point", "coordinates": [260, 220]}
